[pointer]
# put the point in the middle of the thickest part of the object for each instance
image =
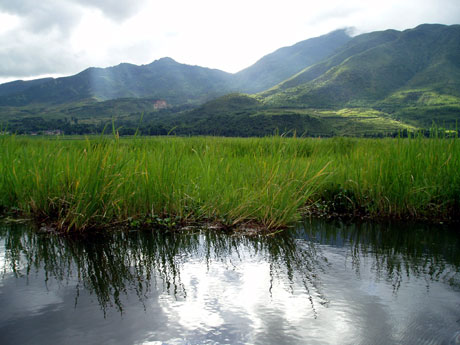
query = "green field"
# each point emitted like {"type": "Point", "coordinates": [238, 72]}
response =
{"type": "Point", "coordinates": [100, 182]}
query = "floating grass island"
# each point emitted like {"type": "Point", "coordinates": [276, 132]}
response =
{"type": "Point", "coordinates": [77, 185]}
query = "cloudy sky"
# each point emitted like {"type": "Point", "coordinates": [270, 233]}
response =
{"type": "Point", "coordinates": [63, 37]}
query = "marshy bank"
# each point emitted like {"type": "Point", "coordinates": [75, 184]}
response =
{"type": "Point", "coordinates": [99, 182]}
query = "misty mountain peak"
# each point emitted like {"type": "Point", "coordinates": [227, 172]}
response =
{"type": "Point", "coordinates": [165, 61]}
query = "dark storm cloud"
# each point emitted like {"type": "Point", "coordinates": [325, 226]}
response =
{"type": "Point", "coordinates": [40, 44]}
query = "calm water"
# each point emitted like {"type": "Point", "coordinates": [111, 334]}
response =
{"type": "Point", "coordinates": [322, 283]}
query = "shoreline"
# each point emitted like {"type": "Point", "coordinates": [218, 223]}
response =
{"type": "Point", "coordinates": [245, 228]}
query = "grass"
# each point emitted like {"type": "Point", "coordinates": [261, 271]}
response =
{"type": "Point", "coordinates": [99, 182]}
{"type": "Point", "coordinates": [416, 178]}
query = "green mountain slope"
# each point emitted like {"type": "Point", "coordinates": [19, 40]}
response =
{"type": "Point", "coordinates": [425, 57]}
{"type": "Point", "coordinates": [245, 115]}
{"type": "Point", "coordinates": [18, 86]}
{"type": "Point", "coordinates": [171, 81]}
{"type": "Point", "coordinates": [412, 76]}
{"type": "Point", "coordinates": [355, 46]}
{"type": "Point", "coordinates": [377, 83]}
{"type": "Point", "coordinates": [285, 62]}
{"type": "Point", "coordinates": [163, 79]}
{"type": "Point", "coordinates": [373, 84]}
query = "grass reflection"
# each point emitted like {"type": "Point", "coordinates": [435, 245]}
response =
{"type": "Point", "coordinates": [111, 265]}
{"type": "Point", "coordinates": [397, 251]}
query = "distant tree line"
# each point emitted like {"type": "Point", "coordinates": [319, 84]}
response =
{"type": "Point", "coordinates": [223, 126]}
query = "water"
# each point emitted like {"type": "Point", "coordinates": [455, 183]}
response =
{"type": "Point", "coordinates": [322, 283]}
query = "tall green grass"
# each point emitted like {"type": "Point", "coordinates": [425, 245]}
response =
{"type": "Point", "coordinates": [99, 182]}
{"type": "Point", "coordinates": [83, 184]}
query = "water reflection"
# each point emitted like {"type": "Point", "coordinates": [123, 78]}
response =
{"type": "Point", "coordinates": [396, 251]}
{"type": "Point", "coordinates": [321, 283]}
{"type": "Point", "coordinates": [110, 265]}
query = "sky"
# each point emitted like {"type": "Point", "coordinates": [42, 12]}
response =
{"type": "Point", "coordinates": [63, 37]}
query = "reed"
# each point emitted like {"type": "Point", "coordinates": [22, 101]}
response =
{"type": "Point", "coordinates": [98, 182]}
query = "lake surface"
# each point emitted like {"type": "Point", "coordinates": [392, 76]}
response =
{"type": "Point", "coordinates": [321, 283]}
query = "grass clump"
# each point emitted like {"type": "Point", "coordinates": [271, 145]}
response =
{"type": "Point", "coordinates": [166, 181]}
{"type": "Point", "coordinates": [402, 178]}
{"type": "Point", "coordinates": [99, 182]}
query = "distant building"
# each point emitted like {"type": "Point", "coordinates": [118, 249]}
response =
{"type": "Point", "coordinates": [160, 104]}
{"type": "Point", "coordinates": [53, 132]}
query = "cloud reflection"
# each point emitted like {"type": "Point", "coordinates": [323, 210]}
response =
{"type": "Point", "coordinates": [322, 283]}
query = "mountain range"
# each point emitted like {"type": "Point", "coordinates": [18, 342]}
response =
{"type": "Point", "coordinates": [377, 82]}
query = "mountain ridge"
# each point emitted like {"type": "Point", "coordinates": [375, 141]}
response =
{"type": "Point", "coordinates": [375, 72]}
{"type": "Point", "coordinates": [167, 79]}
{"type": "Point", "coordinates": [284, 62]}
{"type": "Point", "coordinates": [379, 82]}
{"type": "Point", "coordinates": [163, 78]}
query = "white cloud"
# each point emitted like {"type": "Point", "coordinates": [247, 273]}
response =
{"type": "Point", "coordinates": [66, 36]}
{"type": "Point", "coordinates": [9, 22]}
{"type": "Point", "coordinates": [115, 9]}
{"type": "Point", "coordinates": [36, 36]}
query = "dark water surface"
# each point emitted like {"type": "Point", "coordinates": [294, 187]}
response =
{"type": "Point", "coordinates": [322, 283]}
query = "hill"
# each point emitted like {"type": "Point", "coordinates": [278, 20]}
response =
{"type": "Point", "coordinates": [390, 71]}
{"type": "Point", "coordinates": [246, 115]}
{"type": "Point", "coordinates": [372, 84]}
{"type": "Point", "coordinates": [162, 79]}
{"type": "Point", "coordinates": [168, 80]}
{"type": "Point", "coordinates": [375, 83]}
{"type": "Point", "coordinates": [287, 61]}
{"type": "Point", "coordinates": [20, 86]}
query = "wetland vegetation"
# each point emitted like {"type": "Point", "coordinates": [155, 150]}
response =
{"type": "Point", "coordinates": [265, 183]}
